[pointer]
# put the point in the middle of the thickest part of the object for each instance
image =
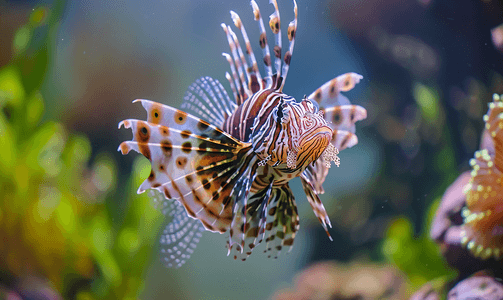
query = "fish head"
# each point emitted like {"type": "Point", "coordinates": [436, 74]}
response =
{"type": "Point", "coordinates": [314, 134]}
{"type": "Point", "coordinates": [297, 135]}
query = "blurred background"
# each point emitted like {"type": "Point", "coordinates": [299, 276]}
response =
{"type": "Point", "coordinates": [71, 223]}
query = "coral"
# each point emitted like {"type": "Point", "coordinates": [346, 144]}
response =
{"type": "Point", "coordinates": [477, 287]}
{"type": "Point", "coordinates": [339, 281]}
{"type": "Point", "coordinates": [469, 216]}
{"type": "Point", "coordinates": [468, 222]}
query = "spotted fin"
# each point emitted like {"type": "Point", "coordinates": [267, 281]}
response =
{"type": "Point", "coordinates": [341, 116]}
{"type": "Point", "coordinates": [282, 221]}
{"type": "Point", "coordinates": [329, 94]}
{"type": "Point", "coordinates": [344, 117]}
{"type": "Point", "coordinates": [343, 139]}
{"type": "Point", "coordinates": [192, 161]}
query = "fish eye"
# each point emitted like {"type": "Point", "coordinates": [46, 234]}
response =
{"type": "Point", "coordinates": [279, 114]}
{"type": "Point", "coordinates": [311, 104]}
{"type": "Point", "coordinates": [315, 105]}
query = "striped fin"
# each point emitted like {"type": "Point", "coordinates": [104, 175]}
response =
{"type": "Point", "coordinates": [236, 87]}
{"type": "Point", "coordinates": [198, 167]}
{"type": "Point", "coordinates": [246, 70]}
{"type": "Point", "coordinates": [255, 79]}
{"type": "Point", "coordinates": [329, 93]}
{"type": "Point", "coordinates": [266, 55]}
{"type": "Point", "coordinates": [241, 85]}
{"type": "Point", "coordinates": [200, 100]}
{"type": "Point", "coordinates": [315, 202]}
{"type": "Point", "coordinates": [233, 86]}
{"type": "Point", "coordinates": [180, 236]}
{"type": "Point", "coordinates": [253, 228]}
{"type": "Point", "coordinates": [315, 174]}
{"type": "Point", "coordinates": [241, 191]}
{"type": "Point", "coordinates": [282, 221]}
{"type": "Point", "coordinates": [275, 25]}
{"type": "Point", "coordinates": [292, 30]}
{"type": "Point", "coordinates": [230, 106]}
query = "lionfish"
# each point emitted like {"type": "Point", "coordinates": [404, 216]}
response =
{"type": "Point", "coordinates": [482, 232]}
{"type": "Point", "coordinates": [227, 163]}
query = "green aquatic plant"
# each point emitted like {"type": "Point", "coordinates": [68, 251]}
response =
{"type": "Point", "coordinates": [60, 223]}
{"type": "Point", "coordinates": [418, 257]}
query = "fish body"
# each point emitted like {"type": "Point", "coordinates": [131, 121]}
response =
{"type": "Point", "coordinates": [228, 162]}
{"type": "Point", "coordinates": [286, 136]}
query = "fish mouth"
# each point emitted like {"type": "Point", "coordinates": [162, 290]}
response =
{"type": "Point", "coordinates": [313, 144]}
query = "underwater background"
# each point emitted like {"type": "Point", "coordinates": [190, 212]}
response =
{"type": "Point", "coordinates": [72, 225]}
